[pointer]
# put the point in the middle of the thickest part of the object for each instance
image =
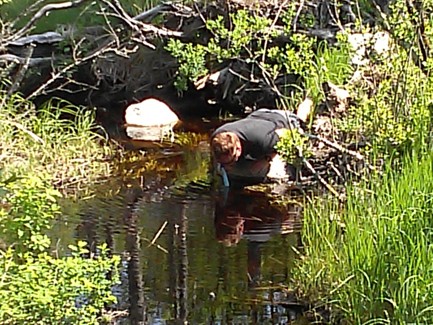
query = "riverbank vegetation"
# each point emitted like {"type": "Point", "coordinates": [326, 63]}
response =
{"type": "Point", "coordinates": [58, 139]}
{"type": "Point", "coordinates": [367, 253]}
{"type": "Point", "coordinates": [45, 155]}
{"type": "Point", "coordinates": [368, 258]}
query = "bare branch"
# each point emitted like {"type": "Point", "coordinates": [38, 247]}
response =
{"type": "Point", "coordinates": [21, 73]}
{"type": "Point", "coordinates": [60, 73]}
{"type": "Point", "coordinates": [20, 60]}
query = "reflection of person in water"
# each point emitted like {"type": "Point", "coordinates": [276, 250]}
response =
{"type": "Point", "coordinates": [255, 217]}
{"type": "Point", "coordinates": [252, 215]}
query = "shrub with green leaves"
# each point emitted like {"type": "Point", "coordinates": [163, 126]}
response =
{"type": "Point", "coordinates": [293, 146]}
{"type": "Point", "coordinates": [252, 39]}
{"type": "Point", "coordinates": [395, 114]}
{"type": "Point", "coordinates": [42, 289]}
{"type": "Point", "coordinates": [28, 207]}
{"type": "Point", "coordinates": [36, 287]}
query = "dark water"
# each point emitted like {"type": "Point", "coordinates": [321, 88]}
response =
{"type": "Point", "coordinates": [190, 252]}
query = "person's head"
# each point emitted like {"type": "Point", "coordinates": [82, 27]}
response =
{"type": "Point", "coordinates": [226, 147]}
{"type": "Point", "coordinates": [229, 227]}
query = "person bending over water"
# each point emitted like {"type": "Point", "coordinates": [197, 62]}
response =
{"type": "Point", "coordinates": [244, 150]}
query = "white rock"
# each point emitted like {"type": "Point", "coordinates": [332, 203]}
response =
{"type": "Point", "coordinates": [150, 120]}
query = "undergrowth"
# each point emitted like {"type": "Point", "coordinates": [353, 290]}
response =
{"type": "Point", "coordinates": [59, 140]}
{"type": "Point", "coordinates": [44, 153]}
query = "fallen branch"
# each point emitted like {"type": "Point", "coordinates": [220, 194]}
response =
{"type": "Point", "coordinates": [322, 180]}
{"type": "Point", "coordinates": [20, 60]}
{"type": "Point", "coordinates": [22, 71]}
{"type": "Point", "coordinates": [336, 146]}
{"type": "Point", "coordinates": [60, 73]}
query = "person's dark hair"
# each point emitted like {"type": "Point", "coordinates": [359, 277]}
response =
{"type": "Point", "coordinates": [223, 143]}
{"type": "Point", "coordinates": [229, 226]}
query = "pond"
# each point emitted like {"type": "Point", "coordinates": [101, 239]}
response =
{"type": "Point", "coordinates": [190, 252]}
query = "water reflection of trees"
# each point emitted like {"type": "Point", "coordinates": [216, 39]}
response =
{"type": "Point", "coordinates": [137, 308]}
{"type": "Point", "coordinates": [186, 274]}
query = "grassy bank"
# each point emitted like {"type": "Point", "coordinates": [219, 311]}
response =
{"type": "Point", "coordinates": [65, 150]}
{"type": "Point", "coordinates": [40, 154]}
{"type": "Point", "coordinates": [371, 259]}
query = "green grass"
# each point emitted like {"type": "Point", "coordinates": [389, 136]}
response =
{"type": "Point", "coordinates": [53, 145]}
{"type": "Point", "coordinates": [66, 150]}
{"type": "Point", "coordinates": [371, 259]}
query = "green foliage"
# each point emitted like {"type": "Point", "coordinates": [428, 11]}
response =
{"type": "Point", "coordinates": [57, 144]}
{"type": "Point", "coordinates": [37, 288]}
{"type": "Point", "coordinates": [245, 29]}
{"type": "Point", "coordinates": [60, 138]}
{"type": "Point", "coordinates": [292, 146]}
{"type": "Point", "coordinates": [395, 114]}
{"type": "Point", "coordinates": [47, 290]}
{"type": "Point", "coordinates": [371, 258]}
{"type": "Point", "coordinates": [24, 199]}
{"type": "Point", "coordinates": [191, 62]}
{"type": "Point", "coordinates": [252, 39]}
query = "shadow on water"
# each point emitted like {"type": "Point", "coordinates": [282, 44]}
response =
{"type": "Point", "coordinates": [190, 253]}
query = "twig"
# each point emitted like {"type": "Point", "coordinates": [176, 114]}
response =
{"type": "Point", "coordinates": [57, 75]}
{"type": "Point", "coordinates": [22, 71]}
{"type": "Point", "coordinates": [336, 146]}
{"type": "Point", "coordinates": [157, 246]}
{"type": "Point", "coordinates": [149, 14]}
{"type": "Point", "coordinates": [20, 60]}
{"type": "Point", "coordinates": [298, 12]}
{"type": "Point", "coordinates": [28, 10]}
{"type": "Point", "coordinates": [138, 26]}
{"type": "Point", "coordinates": [277, 16]}
{"type": "Point", "coordinates": [152, 242]}
{"type": "Point", "coordinates": [322, 180]}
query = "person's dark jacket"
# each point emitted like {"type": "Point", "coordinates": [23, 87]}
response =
{"type": "Point", "coordinates": [257, 132]}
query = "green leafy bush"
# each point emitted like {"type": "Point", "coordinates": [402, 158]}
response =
{"type": "Point", "coordinates": [292, 146]}
{"type": "Point", "coordinates": [42, 289]}
{"type": "Point", "coordinates": [35, 287]}
{"type": "Point", "coordinates": [392, 110]}
{"type": "Point", "coordinates": [29, 205]}
{"type": "Point", "coordinates": [250, 39]}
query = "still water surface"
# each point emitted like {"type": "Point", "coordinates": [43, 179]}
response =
{"type": "Point", "coordinates": [190, 253]}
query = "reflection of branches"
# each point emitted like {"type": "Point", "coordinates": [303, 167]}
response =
{"type": "Point", "coordinates": [183, 268]}
{"type": "Point", "coordinates": [178, 265]}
